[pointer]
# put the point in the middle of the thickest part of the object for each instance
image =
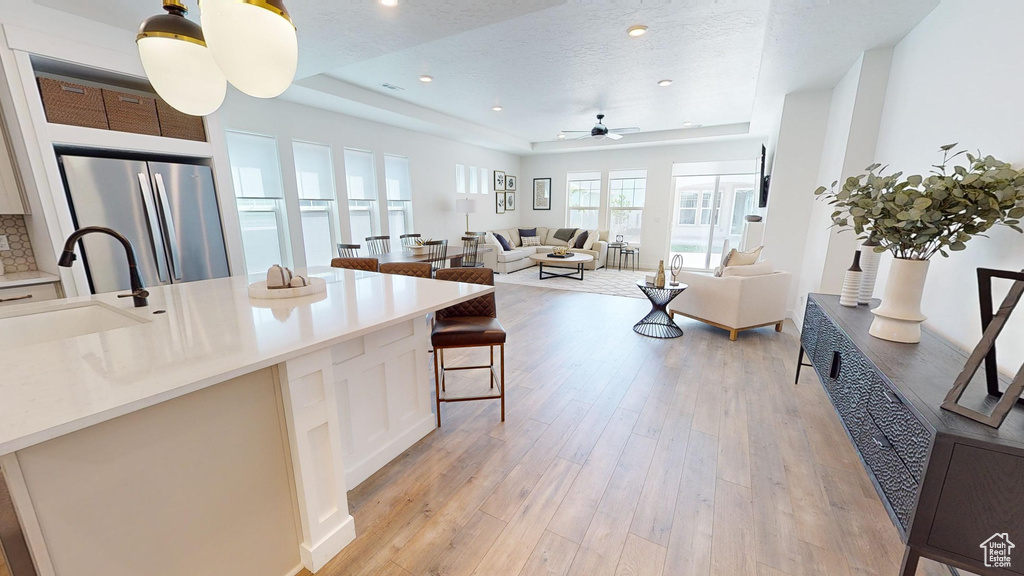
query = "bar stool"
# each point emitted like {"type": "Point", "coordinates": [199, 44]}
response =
{"type": "Point", "coordinates": [348, 250]}
{"type": "Point", "coordinates": [378, 245]}
{"type": "Point", "coordinates": [415, 269]}
{"type": "Point", "coordinates": [471, 324]}
{"type": "Point", "coordinates": [409, 239]}
{"type": "Point", "coordinates": [627, 253]}
{"type": "Point", "coordinates": [364, 264]}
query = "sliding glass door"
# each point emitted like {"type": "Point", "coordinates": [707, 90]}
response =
{"type": "Point", "coordinates": [709, 210]}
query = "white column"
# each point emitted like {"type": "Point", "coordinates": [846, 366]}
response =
{"type": "Point", "coordinates": [308, 391]}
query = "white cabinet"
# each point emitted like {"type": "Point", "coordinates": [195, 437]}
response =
{"type": "Point", "coordinates": [26, 294]}
{"type": "Point", "coordinates": [11, 200]}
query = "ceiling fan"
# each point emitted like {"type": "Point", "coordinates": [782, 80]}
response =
{"type": "Point", "coordinates": [600, 131]}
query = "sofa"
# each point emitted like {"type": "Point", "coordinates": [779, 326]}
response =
{"type": "Point", "coordinates": [507, 261]}
{"type": "Point", "coordinates": [734, 303]}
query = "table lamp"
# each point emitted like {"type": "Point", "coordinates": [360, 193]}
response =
{"type": "Point", "coordinates": [467, 206]}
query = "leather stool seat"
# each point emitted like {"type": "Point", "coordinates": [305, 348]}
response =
{"type": "Point", "coordinates": [467, 331]}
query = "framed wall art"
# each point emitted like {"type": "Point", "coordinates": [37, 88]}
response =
{"type": "Point", "coordinates": [510, 201]}
{"type": "Point", "coordinates": [542, 193]}
{"type": "Point", "coordinates": [510, 183]}
{"type": "Point", "coordinates": [499, 181]}
{"type": "Point", "coordinates": [499, 203]}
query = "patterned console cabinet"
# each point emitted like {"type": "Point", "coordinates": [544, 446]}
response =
{"type": "Point", "coordinates": [948, 483]}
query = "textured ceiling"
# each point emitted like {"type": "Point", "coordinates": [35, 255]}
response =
{"type": "Point", "coordinates": [553, 64]}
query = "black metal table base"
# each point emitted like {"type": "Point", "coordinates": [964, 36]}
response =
{"type": "Point", "coordinates": [571, 275]}
{"type": "Point", "coordinates": [658, 323]}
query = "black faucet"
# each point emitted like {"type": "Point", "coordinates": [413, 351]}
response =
{"type": "Point", "coordinates": [139, 294]}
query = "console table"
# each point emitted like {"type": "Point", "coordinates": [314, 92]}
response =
{"type": "Point", "coordinates": [948, 483]}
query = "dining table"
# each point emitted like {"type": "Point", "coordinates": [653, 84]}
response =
{"type": "Point", "coordinates": [454, 255]}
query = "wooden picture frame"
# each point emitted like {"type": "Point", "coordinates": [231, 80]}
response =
{"type": "Point", "coordinates": [992, 323]}
{"type": "Point", "coordinates": [499, 181]}
{"type": "Point", "coordinates": [510, 201]}
{"type": "Point", "coordinates": [542, 193]}
{"type": "Point", "coordinates": [499, 203]}
{"type": "Point", "coordinates": [510, 183]}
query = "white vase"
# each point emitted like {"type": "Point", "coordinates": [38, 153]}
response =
{"type": "Point", "coordinates": [899, 317]}
{"type": "Point", "coordinates": [869, 260]}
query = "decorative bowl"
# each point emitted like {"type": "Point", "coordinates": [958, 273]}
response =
{"type": "Point", "coordinates": [418, 249]}
{"type": "Point", "coordinates": [560, 250]}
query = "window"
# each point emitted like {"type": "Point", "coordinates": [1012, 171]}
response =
{"type": "Point", "coordinates": [742, 205]}
{"type": "Point", "coordinates": [474, 180]}
{"type": "Point", "coordinates": [361, 177]}
{"type": "Point", "coordinates": [460, 179]}
{"type": "Point", "coordinates": [259, 198]}
{"type": "Point", "coordinates": [627, 193]}
{"type": "Point", "coordinates": [399, 187]}
{"type": "Point", "coordinates": [687, 208]}
{"type": "Point", "coordinates": [318, 206]}
{"type": "Point", "coordinates": [485, 181]}
{"type": "Point", "coordinates": [584, 196]}
{"type": "Point", "coordinates": [709, 203]}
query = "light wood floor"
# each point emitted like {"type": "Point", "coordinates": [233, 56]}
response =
{"type": "Point", "coordinates": [624, 455]}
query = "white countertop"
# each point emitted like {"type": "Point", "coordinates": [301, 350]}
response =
{"type": "Point", "coordinates": [15, 279]}
{"type": "Point", "coordinates": [211, 332]}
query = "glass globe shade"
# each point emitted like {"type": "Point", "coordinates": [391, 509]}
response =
{"type": "Point", "coordinates": [184, 74]}
{"type": "Point", "coordinates": [253, 42]}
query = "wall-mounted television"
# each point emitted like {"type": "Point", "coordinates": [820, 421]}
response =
{"type": "Point", "coordinates": [766, 179]}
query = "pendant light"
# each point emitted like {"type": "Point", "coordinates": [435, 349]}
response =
{"type": "Point", "coordinates": [178, 64]}
{"type": "Point", "coordinates": [253, 42]}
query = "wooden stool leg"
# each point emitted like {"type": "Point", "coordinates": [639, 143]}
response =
{"type": "Point", "coordinates": [492, 367]}
{"type": "Point", "coordinates": [442, 370]}
{"type": "Point", "coordinates": [437, 387]}
{"type": "Point", "coordinates": [502, 382]}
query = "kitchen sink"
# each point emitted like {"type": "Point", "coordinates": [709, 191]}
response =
{"type": "Point", "coordinates": [47, 323]}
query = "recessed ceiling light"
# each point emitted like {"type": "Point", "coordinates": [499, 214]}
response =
{"type": "Point", "coordinates": [638, 30]}
{"type": "Point", "coordinates": [496, 108]}
{"type": "Point", "coordinates": [687, 124]}
{"type": "Point", "coordinates": [388, 3]}
{"type": "Point", "coordinates": [665, 82]}
{"type": "Point", "coordinates": [561, 136]}
{"type": "Point", "coordinates": [426, 79]}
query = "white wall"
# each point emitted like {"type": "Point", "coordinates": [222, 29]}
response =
{"type": "Point", "coordinates": [657, 160]}
{"type": "Point", "coordinates": [794, 178]}
{"type": "Point", "coordinates": [432, 163]}
{"type": "Point", "coordinates": [958, 77]}
{"type": "Point", "coordinates": [850, 138]}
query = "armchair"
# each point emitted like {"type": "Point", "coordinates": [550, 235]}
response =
{"type": "Point", "coordinates": [734, 303]}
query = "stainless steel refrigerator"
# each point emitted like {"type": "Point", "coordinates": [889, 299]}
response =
{"type": "Point", "coordinates": [168, 211]}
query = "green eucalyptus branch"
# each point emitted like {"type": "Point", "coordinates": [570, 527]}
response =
{"type": "Point", "coordinates": [918, 217]}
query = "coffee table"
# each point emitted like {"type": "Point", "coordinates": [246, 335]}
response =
{"type": "Point", "coordinates": [578, 259]}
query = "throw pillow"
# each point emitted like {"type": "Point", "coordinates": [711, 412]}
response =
{"type": "Point", "coordinates": [527, 233]}
{"type": "Point", "coordinates": [762, 268]}
{"type": "Point", "coordinates": [564, 234]}
{"type": "Point", "coordinates": [593, 236]}
{"type": "Point", "coordinates": [504, 243]}
{"type": "Point", "coordinates": [530, 240]}
{"type": "Point", "coordinates": [581, 240]}
{"type": "Point", "coordinates": [737, 258]}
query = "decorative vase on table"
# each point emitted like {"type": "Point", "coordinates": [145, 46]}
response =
{"type": "Point", "coordinates": [869, 260]}
{"type": "Point", "coordinates": [851, 284]}
{"type": "Point", "coordinates": [899, 317]}
{"type": "Point", "coordinates": [916, 217]}
{"type": "Point", "coordinates": [659, 280]}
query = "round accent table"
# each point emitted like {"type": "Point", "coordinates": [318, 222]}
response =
{"type": "Point", "coordinates": [658, 323]}
{"type": "Point", "coordinates": [577, 260]}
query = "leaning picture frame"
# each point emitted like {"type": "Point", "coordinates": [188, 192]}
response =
{"type": "Point", "coordinates": [992, 322]}
{"type": "Point", "coordinates": [499, 181]}
{"type": "Point", "coordinates": [542, 193]}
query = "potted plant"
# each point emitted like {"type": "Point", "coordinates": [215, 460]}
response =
{"type": "Point", "coordinates": [918, 217]}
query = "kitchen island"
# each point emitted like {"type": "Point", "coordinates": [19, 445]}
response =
{"type": "Point", "coordinates": [209, 433]}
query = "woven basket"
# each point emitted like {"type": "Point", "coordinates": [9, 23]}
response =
{"type": "Point", "coordinates": [175, 124]}
{"type": "Point", "coordinates": [74, 104]}
{"type": "Point", "coordinates": [131, 113]}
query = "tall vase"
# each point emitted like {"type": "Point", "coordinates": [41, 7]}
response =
{"type": "Point", "coordinates": [851, 283]}
{"type": "Point", "coordinates": [659, 279]}
{"type": "Point", "coordinates": [899, 317]}
{"type": "Point", "coordinates": [869, 260]}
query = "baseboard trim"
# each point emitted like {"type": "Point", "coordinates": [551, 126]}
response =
{"type": "Point", "coordinates": [322, 552]}
{"type": "Point", "coordinates": [295, 570]}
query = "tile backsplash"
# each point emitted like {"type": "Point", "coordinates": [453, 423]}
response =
{"type": "Point", "coordinates": [20, 257]}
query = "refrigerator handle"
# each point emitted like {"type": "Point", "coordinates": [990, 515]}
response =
{"type": "Point", "coordinates": [156, 237]}
{"type": "Point", "coordinates": [172, 240]}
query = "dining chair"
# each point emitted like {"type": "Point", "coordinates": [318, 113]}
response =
{"type": "Point", "coordinates": [348, 250]}
{"type": "Point", "coordinates": [437, 253]}
{"type": "Point", "coordinates": [470, 324]}
{"type": "Point", "coordinates": [378, 245]}
{"type": "Point", "coordinates": [409, 239]}
{"type": "Point", "coordinates": [415, 269]}
{"type": "Point", "coordinates": [470, 249]}
{"type": "Point", "coordinates": [365, 264]}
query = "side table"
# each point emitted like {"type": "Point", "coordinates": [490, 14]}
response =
{"type": "Point", "coordinates": [658, 323]}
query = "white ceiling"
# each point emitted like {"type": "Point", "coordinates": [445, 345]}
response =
{"type": "Point", "coordinates": [553, 64]}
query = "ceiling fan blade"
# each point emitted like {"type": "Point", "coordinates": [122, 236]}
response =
{"type": "Point", "coordinates": [584, 137]}
{"type": "Point", "coordinates": [613, 136]}
{"type": "Point", "coordinates": [631, 130]}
